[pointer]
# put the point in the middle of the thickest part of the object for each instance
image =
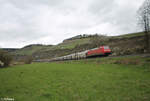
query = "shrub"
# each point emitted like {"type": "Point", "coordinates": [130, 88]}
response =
{"type": "Point", "coordinates": [5, 58]}
{"type": "Point", "coordinates": [28, 60]}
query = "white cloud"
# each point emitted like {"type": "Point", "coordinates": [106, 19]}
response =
{"type": "Point", "coordinates": [50, 21]}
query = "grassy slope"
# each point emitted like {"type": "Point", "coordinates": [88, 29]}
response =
{"type": "Point", "coordinates": [131, 35]}
{"type": "Point", "coordinates": [66, 45]}
{"type": "Point", "coordinates": [76, 81]}
{"type": "Point", "coordinates": [28, 50]}
{"type": "Point", "coordinates": [72, 43]}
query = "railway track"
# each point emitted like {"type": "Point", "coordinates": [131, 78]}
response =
{"type": "Point", "coordinates": [132, 55]}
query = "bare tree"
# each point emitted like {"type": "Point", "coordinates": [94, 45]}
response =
{"type": "Point", "coordinates": [144, 21]}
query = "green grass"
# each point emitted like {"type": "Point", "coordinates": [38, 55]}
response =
{"type": "Point", "coordinates": [71, 81]}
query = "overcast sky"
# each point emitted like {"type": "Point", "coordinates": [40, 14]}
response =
{"type": "Point", "coordinates": [24, 22]}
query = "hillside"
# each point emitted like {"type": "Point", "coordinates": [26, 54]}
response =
{"type": "Point", "coordinates": [30, 49]}
{"type": "Point", "coordinates": [120, 45]}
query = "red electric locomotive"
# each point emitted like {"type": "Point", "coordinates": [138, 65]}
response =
{"type": "Point", "coordinates": [101, 51]}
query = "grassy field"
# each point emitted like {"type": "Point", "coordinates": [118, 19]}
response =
{"type": "Point", "coordinates": [76, 81]}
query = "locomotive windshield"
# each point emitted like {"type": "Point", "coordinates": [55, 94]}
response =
{"type": "Point", "coordinates": [106, 47]}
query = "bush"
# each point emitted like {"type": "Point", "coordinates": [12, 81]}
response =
{"type": "Point", "coordinates": [5, 58]}
{"type": "Point", "coordinates": [28, 60]}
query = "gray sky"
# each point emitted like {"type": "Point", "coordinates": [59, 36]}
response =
{"type": "Point", "coordinates": [24, 22]}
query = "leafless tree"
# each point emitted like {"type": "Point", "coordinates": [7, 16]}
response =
{"type": "Point", "coordinates": [144, 21]}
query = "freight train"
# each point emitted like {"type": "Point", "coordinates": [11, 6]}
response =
{"type": "Point", "coordinates": [100, 51]}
